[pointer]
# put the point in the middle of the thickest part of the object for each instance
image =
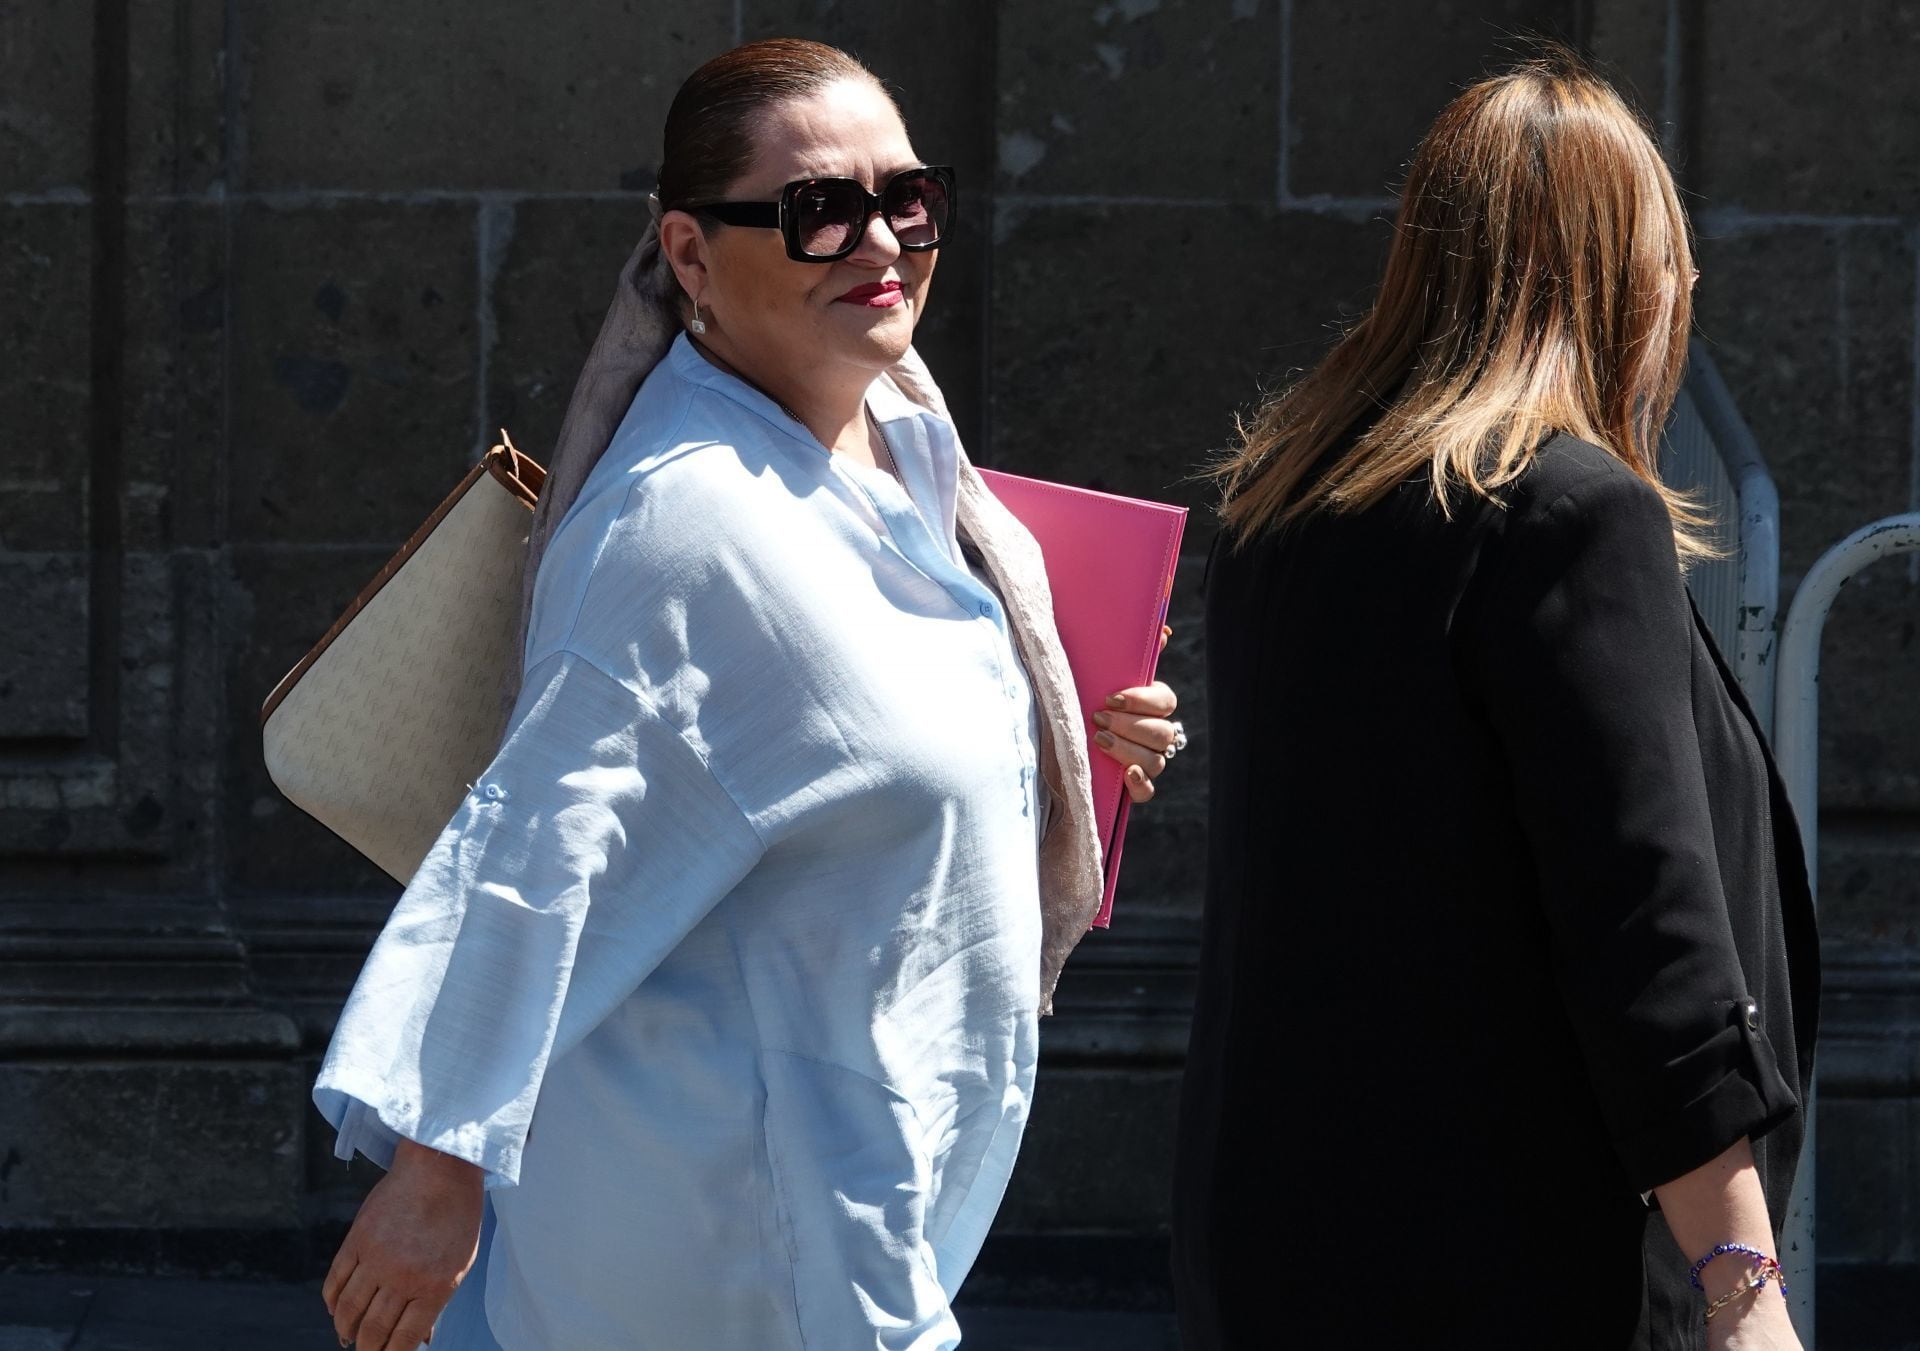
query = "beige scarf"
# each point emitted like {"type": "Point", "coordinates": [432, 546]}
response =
{"type": "Point", "coordinates": [641, 324]}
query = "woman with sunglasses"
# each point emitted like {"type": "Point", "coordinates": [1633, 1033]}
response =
{"type": "Point", "coordinates": [1509, 974]}
{"type": "Point", "coordinates": [790, 830]}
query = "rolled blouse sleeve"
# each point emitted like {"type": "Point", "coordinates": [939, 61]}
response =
{"type": "Point", "coordinates": [1581, 649]}
{"type": "Point", "coordinates": [590, 847]}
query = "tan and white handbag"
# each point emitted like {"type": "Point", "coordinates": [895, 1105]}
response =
{"type": "Point", "coordinates": [380, 728]}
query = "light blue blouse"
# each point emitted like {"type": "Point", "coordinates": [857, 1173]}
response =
{"type": "Point", "coordinates": [727, 969]}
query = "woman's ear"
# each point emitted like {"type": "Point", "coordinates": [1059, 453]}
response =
{"type": "Point", "coordinates": [685, 245]}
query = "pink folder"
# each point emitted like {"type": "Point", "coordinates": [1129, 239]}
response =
{"type": "Point", "coordinates": [1110, 563]}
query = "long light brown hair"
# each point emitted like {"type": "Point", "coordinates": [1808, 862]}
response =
{"type": "Point", "coordinates": [1538, 282]}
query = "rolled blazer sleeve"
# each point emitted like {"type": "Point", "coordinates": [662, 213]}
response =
{"type": "Point", "coordinates": [590, 847]}
{"type": "Point", "coordinates": [1581, 647]}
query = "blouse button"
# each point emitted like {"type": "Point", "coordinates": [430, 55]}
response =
{"type": "Point", "coordinates": [986, 609]}
{"type": "Point", "coordinates": [494, 792]}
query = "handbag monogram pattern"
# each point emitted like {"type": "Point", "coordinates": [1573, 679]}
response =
{"type": "Point", "coordinates": [380, 728]}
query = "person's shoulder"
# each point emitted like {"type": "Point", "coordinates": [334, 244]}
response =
{"type": "Point", "coordinates": [675, 485]}
{"type": "Point", "coordinates": [1568, 467]}
{"type": "Point", "coordinates": [653, 530]}
{"type": "Point", "coordinates": [1580, 501]}
{"type": "Point", "coordinates": [685, 454]}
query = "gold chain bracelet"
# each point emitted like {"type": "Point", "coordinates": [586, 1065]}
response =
{"type": "Point", "coordinates": [1756, 1280]}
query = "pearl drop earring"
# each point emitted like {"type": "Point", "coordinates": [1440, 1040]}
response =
{"type": "Point", "coordinates": [698, 325]}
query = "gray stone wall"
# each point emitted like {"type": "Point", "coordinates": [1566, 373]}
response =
{"type": "Point", "coordinates": [271, 275]}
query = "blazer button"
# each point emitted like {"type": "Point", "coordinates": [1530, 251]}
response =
{"type": "Point", "coordinates": [1753, 1017]}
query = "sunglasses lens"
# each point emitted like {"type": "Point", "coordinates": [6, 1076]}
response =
{"type": "Point", "coordinates": [827, 217]}
{"type": "Point", "coordinates": [917, 206]}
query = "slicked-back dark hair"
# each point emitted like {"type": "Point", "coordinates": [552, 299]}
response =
{"type": "Point", "coordinates": [709, 138]}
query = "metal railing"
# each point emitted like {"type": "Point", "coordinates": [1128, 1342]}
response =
{"type": "Point", "coordinates": [1796, 745]}
{"type": "Point", "coordinates": [1708, 450]}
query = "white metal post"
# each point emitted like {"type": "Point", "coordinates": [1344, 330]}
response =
{"type": "Point", "coordinates": [1710, 453]}
{"type": "Point", "coordinates": [1796, 746]}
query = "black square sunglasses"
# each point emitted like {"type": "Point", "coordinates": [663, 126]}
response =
{"type": "Point", "coordinates": [822, 219]}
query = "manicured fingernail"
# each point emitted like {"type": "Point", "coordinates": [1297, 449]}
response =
{"type": "Point", "coordinates": [1136, 774]}
{"type": "Point", "coordinates": [1102, 720]}
{"type": "Point", "coordinates": [1116, 701]}
{"type": "Point", "coordinates": [1104, 738]}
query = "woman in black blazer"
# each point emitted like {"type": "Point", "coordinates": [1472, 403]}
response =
{"type": "Point", "coordinates": [1507, 919]}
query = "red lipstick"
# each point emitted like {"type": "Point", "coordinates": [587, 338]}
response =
{"type": "Point", "coordinates": [874, 294]}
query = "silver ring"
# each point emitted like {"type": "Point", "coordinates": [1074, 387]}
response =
{"type": "Point", "coordinates": [1179, 741]}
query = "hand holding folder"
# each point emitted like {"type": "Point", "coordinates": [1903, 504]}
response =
{"type": "Point", "coordinates": [1110, 565]}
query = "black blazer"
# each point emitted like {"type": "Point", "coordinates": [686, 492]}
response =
{"type": "Point", "coordinates": [1507, 921]}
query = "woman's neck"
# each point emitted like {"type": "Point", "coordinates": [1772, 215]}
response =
{"type": "Point", "coordinates": [834, 411]}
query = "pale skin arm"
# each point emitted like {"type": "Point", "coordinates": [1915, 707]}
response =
{"type": "Point", "coordinates": [1134, 728]}
{"type": "Point", "coordinates": [1721, 1202]}
{"type": "Point", "coordinates": [411, 1245]}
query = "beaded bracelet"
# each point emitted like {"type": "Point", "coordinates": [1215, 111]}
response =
{"type": "Point", "coordinates": [1763, 1270]}
{"type": "Point", "coordinates": [1721, 1250]}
